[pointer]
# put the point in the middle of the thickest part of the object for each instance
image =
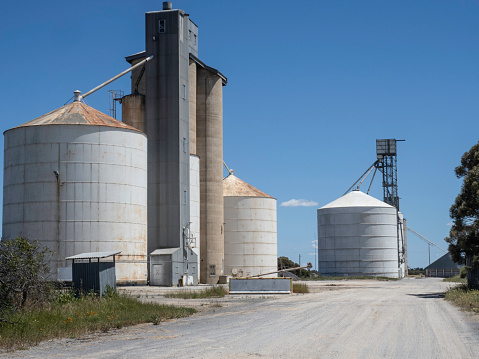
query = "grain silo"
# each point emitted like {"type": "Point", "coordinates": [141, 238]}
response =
{"type": "Point", "coordinates": [250, 229]}
{"type": "Point", "coordinates": [76, 180]}
{"type": "Point", "coordinates": [358, 235]}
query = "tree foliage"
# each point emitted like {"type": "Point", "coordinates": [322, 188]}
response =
{"type": "Point", "coordinates": [23, 273]}
{"type": "Point", "coordinates": [285, 263]}
{"type": "Point", "coordinates": [464, 234]}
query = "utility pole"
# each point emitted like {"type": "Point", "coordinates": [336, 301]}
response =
{"type": "Point", "coordinates": [299, 260]}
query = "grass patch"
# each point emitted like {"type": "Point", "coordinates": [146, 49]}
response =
{"type": "Point", "coordinates": [76, 317]}
{"type": "Point", "coordinates": [464, 298]}
{"type": "Point", "coordinates": [351, 277]}
{"type": "Point", "coordinates": [456, 279]}
{"type": "Point", "coordinates": [300, 288]}
{"type": "Point", "coordinates": [212, 292]}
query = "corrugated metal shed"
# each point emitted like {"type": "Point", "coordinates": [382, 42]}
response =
{"type": "Point", "coordinates": [93, 255]}
{"type": "Point", "coordinates": [76, 113]}
{"type": "Point", "coordinates": [234, 187]}
{"type": "Point", "coordinates": [93, 276]}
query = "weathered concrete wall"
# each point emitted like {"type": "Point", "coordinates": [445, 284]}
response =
{"type": "Point", "coordinates": [133, 111]}
{"type": "Point", "coordinates": [209, 130]}
{"type": "Point", "coordinates": [192, 100]}
{"type": "Point", "coordinates": [167, 127]}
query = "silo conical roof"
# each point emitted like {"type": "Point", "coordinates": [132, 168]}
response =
{"type": "Point", "coordinates": [357, 199]}
{"type": "Point", "coordinates": [77, 113]}
{"type": "Point", "coordinates": [234, 187]}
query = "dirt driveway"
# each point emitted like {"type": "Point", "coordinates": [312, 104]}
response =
{"type": "Point", "coordinates": [352, 319]}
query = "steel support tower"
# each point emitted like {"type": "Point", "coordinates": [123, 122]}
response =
{"type": "Point", "coordinates": [387, 164]}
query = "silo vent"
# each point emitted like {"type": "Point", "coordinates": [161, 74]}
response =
{"type": "Point", "coordinates": [167, 5]}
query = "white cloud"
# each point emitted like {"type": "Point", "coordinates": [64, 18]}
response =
{"type": "Point", "coordinates": [298, 203]}
{"type": "Point", "coordinates": [449, 224]}
{"type": "Point", "coordinates": [315, 243]}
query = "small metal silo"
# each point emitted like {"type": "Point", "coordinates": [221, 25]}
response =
{"type": "Point", "coordinates": [76, 180]}
{"type": "Point", "coordinates": [358, 235]}
{"type": "Point", "coordinates": [250, 229]}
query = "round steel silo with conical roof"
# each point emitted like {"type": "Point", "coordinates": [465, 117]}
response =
{"type": "Point", "coordinates": [76, 180]}
{"type": "Point", "coordinates": [358, 235]}
{"type": "Point", "coordinates": [250, 229]}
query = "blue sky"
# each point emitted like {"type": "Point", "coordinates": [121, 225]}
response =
{"type": "Point", "coordinates": [311, 85]}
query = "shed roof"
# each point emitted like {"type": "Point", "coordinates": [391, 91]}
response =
{"type": "Point", "coordinates": [445, 262]}
{"type": "Point", "coordinates": [159, 252]}
{"type": "Point", "coordinates": [92, 255]}
{"type": "Point", "coordinates": [77, 113]}
{"type": "Point", "coordinates": [357, 198]}
{"type": "Point", "coordinates": [234, 187]}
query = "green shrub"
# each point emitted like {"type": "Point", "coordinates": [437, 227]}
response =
{"type": "Point", "coordinates": [24, 273]}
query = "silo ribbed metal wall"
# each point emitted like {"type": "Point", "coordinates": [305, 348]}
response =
{"type": "Point", "coordinates": [358, 241]}
{"type": "Point", "coordinates": [250, 236]}
{"type": "Point", "coordinates": [98, 201]}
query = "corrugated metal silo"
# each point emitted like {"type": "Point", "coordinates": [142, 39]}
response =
{"type": "Point", "coordinates": [250, 229]}
{"type": "Point", "coordinates": [358, 235]}
{"type": "Point", "coordinates": [76, 180]}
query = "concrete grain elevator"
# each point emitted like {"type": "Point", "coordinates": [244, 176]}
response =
{"type": "Point", "coordinates": [183, 119]}
{"type": "Point", "coordinates": [150, 187]}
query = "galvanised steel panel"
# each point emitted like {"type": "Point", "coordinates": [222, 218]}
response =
{"type": "Point", "coordinates": [97, 201]}
{"type": "Point", "coordinates": [359, 237]}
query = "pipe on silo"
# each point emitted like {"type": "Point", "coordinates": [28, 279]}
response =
{"type": "Point", "coordinates": [209, 132]}
{"type": "Point", "coordinates": [133, 111]}
{"type": "Point", "coordinates": [192, 98]}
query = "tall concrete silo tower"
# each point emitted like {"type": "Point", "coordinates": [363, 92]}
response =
{"type": "Point", "coordinates": [183, 119]}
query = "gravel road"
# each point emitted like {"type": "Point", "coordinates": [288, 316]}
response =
{"type": "Point", "coordinates": [348, 319]}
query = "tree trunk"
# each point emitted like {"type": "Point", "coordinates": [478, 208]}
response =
{"type": "Point", "coordinates": [472, 273]}
{"type": "Point", "coordinates": [473, 278]}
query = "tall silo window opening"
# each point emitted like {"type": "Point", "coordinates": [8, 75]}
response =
{"type": "Point", "coordinates": [184, 197]}
{"type": "Point", "coordinates": [162, 26]}
{"type": "Point", "coordinates": [212, 270]}
{"type": "Point", "coordinates": [184, 144]}
{"type": "Point", "coordinates": [184, 92]}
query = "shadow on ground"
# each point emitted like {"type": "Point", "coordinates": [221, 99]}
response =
{"type": "Point", "coordinates": [429, 295]}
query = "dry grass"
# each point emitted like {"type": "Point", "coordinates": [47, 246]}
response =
{"type": "Point", "coordinates": [213, 292]}
{"type": "Point", "coordinates": [464, 298]}
{"type": "Point", "coordinates": [300, 288]}
{"type": "Point", "coordinates": [351, 277]}
{"type": "Point", "coordinates": [456, 279]}
{"type": "Point", "coordinates": [76, 317]}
